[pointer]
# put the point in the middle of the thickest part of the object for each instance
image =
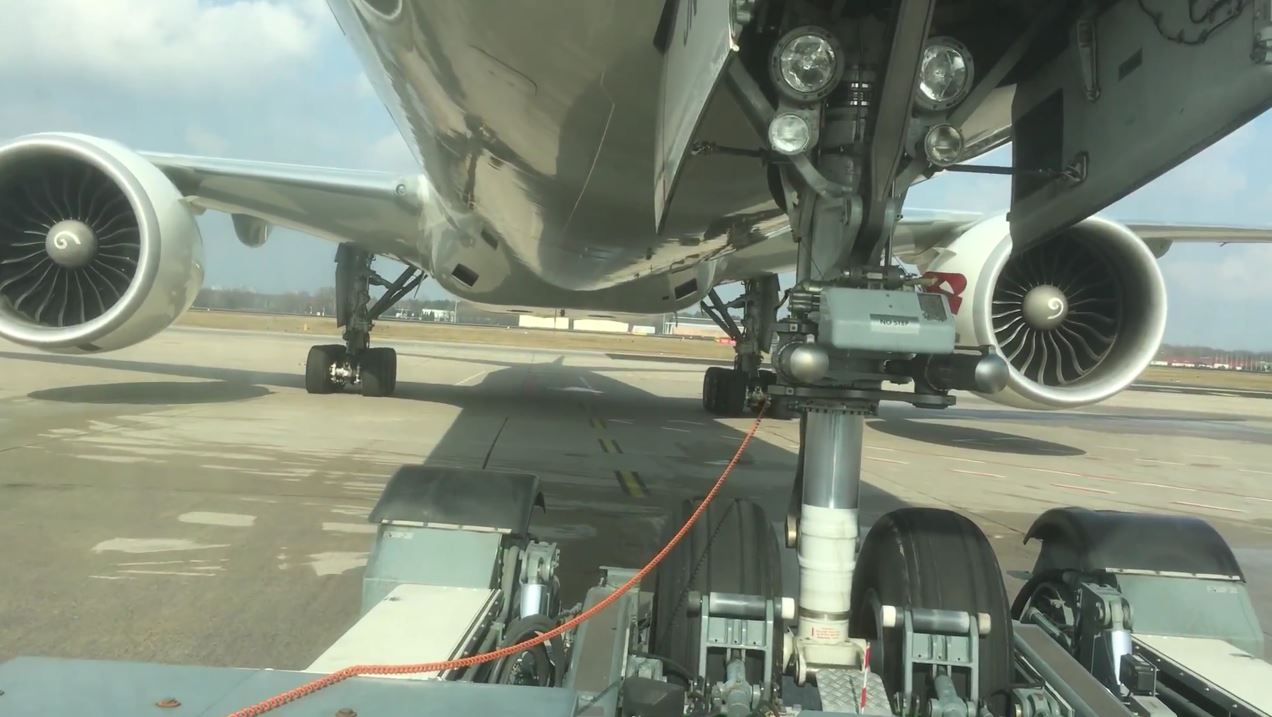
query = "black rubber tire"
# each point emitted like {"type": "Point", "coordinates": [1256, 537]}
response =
{"type": "Point", "coordinates": [713, 380]}
{"type": "Point", "coordinates": [318, 367]}
{"type": "Point", "coordinates": [392, 371]}
{"type": "Point", "coordinates": [379, 372]}
{"type": "Point", "coordinates": [733, 396]}
{"type": "Point", "coordinates": [731, 549]}
{"type": "Point", "coordinates": [931, 558]}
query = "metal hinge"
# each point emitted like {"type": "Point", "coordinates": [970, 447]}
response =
{"type": "Point", "coordinates": [1075, 172]}
{"type": "Point", "coordinates": [741, 13]}
{"type": "Point", "coordinates": [1262, 51]}
{"type": "Point", "coordinates": [1085, 40]}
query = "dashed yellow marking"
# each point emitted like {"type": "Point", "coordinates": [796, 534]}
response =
{"type": "Point", "coordinates": [631, 483]}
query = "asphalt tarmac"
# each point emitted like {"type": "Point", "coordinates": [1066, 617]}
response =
{"type": "Point", "coordinates": [185, 501]}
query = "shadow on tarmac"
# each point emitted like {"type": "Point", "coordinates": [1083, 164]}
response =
{"type": "Point", "coordinates": [157, 393]}
{"type": "Point", "coordinates": [588, 512]}
{"type": "Point", "coordinates": [958, 436]}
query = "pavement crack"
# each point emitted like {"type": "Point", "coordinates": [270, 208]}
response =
{"type": "Point", "coordinates": [490, 451]}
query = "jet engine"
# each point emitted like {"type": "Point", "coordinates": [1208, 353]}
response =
{"type": "Point", "coordinates": [1078, 316]}
{"type": "Point", "coordinates": [97, 250]}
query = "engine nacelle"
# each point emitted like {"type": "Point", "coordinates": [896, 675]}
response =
{"type": "Point", "coordinates": [97, 250]}
{"type": "Point", "coordinates": [1078, 317]}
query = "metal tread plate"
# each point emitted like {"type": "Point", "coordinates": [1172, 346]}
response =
{"type": "Point", "coordinates": [441, 620]}
{"type": "Point", "coordinates": [840, 691]}
{"type": "Point", "coordinates": [1233, 671]}
{"type": "Point", "coordinates": [459, 497]}
{"type": "Point", "coordinates": [51, 687]}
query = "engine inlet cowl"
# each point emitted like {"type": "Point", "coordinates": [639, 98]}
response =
{"type": "Point", "coordinates": [1058, 311]}
{"type": "Point", "coordinates": [1077, 317]}
{"type": "Point", "coordinates": [97, 251]}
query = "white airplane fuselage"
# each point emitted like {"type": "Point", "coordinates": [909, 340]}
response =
{"type": "Point", "coordinates": [534, 124]}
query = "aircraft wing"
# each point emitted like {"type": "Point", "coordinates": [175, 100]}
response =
{"type": "Point", "coordinates": [1160, 237]}
{"type": "Point", "coordinates": [1200, 233]}
{"type": "Point", "coordinates": [922, 229]}
{"type": "Point", "coordinates": [380, 212]}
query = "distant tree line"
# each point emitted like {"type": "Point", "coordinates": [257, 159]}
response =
{"type": "Point", "coordinates": [1210, 356]}
{"type": "Point", "coordinates": [320, 302]}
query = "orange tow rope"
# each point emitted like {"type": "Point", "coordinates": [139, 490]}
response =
{"type": "Point", "coordinates": [309, 688]}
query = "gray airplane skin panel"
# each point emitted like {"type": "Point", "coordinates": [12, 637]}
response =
{"type": "Point", "coordinates": [1160, 88]}
{"type": "Point", "coordinates": [535, 126]}
{"type": "Point", "coordinates": [698, 42]}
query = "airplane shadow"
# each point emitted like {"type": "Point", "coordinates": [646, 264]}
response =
{"type": "Point", "coordinates": [670, 359]}
{"type": "Point", "coordinates": [606, 369]}
{"type": "Point", "coordinates": [967, 437]}
{"type": "Point", "coordinates": [154, 393]}
{"type": "Point", "coordinates": [595, 522]}
{"type": "Point", "coordinates": [207, 373]}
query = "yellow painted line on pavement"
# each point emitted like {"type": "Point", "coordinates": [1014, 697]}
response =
{"type": "Point", "coordinates": [631, 483]}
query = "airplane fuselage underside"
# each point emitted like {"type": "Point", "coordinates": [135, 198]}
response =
{"type": "Point", "coordinates": [542, 161]}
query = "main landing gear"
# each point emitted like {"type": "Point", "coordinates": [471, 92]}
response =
{"type": "Point", "coordinates": [331, 367]}
{"type": "Point", "coordinates": [742, 389]}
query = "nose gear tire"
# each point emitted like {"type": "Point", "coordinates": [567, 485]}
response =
{"type": "Point", "coordinates": [732, 549]}
{"type": "Point", "coordinates": [930, 558]}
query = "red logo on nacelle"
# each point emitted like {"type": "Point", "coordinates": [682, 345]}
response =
{"type": "Point", "coordinates": [951, 285]}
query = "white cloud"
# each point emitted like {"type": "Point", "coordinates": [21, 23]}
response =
{"type": "Point", "coordinates": [204, 141]}
{"type": "Point", "coordinates": [362, 86]}
{"type": "Point", "coordinates": [165, 47]}
{"type": "Point", "coordinates": [963, 193]}
{"type": "Point", "coordinates": [36, 114]}
{"type": "Point", "coordinates": [966, 192]}
{"type": "Point", "coordinates": [1213, 184]}
{"type": "Point", "coordinates": [1232, 273]}
{"type": "Point", "coordinates": [389, 154]}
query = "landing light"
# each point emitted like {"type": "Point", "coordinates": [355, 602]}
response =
{"type": "Point", "coordinates": [945, 74]}
{"type": "Point", "coordinates": [943, 145]}
{"type": "Point", "coordinates": [790, 133]}
{"type": "Point", "coordinates": [807, 64]}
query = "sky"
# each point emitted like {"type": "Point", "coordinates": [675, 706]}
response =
{"type": "Point", "coordinates": [273, 80]}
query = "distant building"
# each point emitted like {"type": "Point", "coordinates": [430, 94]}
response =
{"type": "Point", "coordinates": [695, 326]}
{"type": "Point", "coordinates": [444, 316]}
{"type": "Point", "coordinates": [543, 322]}
{"type": "Point", "coordinates": [439, 315]}
{"type": "Point", "coordinates": [466, 313]}
{"type": "Point", "coordinates": [602, 326]}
